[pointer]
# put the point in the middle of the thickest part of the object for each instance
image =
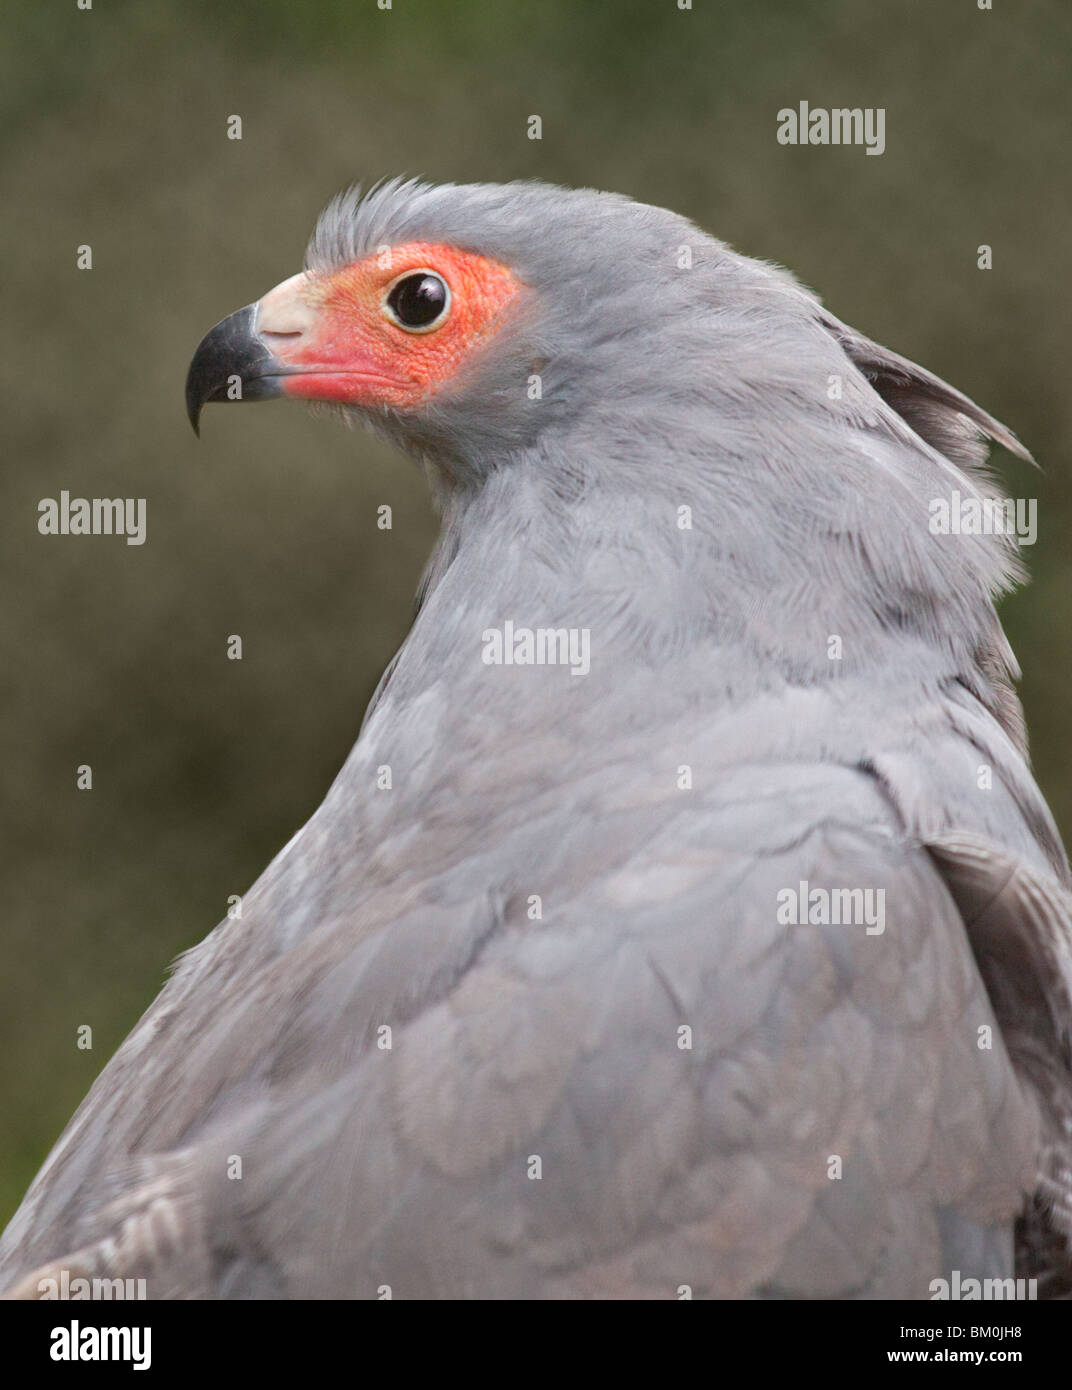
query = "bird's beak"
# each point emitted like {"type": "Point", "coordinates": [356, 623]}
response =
{"type": "Point", "coordinates": [232, 363]}
{"type": "Point", "coordinates": [239, 359]}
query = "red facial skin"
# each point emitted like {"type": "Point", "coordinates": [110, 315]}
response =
{"type": "Point", "coordinates": [354, 354]}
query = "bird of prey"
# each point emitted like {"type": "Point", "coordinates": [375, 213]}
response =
{"type": "Point", "coordinates": [686, 920]}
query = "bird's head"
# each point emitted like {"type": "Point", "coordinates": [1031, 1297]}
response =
{"type": "Point", "coordinates": [583, 369]}
{"type": "Point", "coordinates": [461, 320]}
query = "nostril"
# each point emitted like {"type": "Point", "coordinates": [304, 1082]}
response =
{"type": "Point", "coordinates": [284, 315]}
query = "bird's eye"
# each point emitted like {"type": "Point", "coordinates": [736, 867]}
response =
{"type": "Point", "coordinates": [418, 301]}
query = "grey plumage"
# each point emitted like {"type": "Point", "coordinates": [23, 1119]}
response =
{"type": "Point", "coordinates": [664, 387]}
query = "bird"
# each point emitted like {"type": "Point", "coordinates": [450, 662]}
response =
{"type": "Point", "coordinates": [686, 921]}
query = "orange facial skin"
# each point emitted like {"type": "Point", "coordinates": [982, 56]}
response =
{"type": "Point", "coordinates": [352, 353]}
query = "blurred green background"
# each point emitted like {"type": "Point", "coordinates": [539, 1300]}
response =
{"type": "Point", "coordinates": [114, 134]}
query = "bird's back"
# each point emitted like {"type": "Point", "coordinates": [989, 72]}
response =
{"type": "Point", "coordinates": [704, 1011]}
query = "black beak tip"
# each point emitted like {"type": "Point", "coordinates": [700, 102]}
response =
{"type": "Point", "coordinates": [231, 350]}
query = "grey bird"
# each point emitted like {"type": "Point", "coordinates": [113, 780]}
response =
{"type": "Point", "coordinates": [686, 918]}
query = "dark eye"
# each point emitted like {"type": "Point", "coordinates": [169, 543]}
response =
{"type": "Point", "coordinates": [418, 301]}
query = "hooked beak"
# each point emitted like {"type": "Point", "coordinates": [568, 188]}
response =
{"type": "Point", "coordinates": [239, 359]}
{"type": "Point", "coordinates": [233, 363]}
